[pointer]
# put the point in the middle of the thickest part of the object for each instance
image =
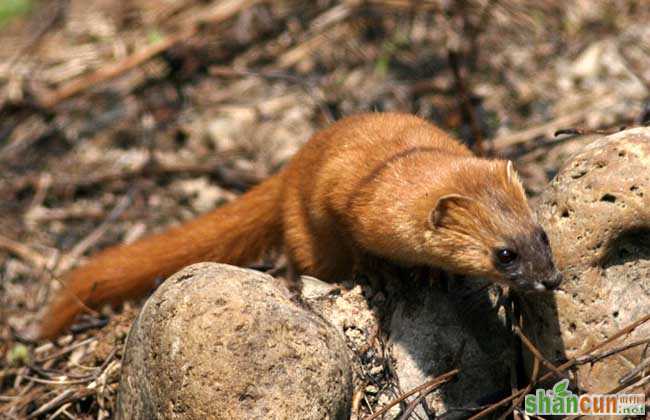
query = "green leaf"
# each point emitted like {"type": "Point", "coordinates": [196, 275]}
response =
{"type": "Point", "coordinates": [560, 388]}
{"type": "Point", "coordinates": [18, 355]}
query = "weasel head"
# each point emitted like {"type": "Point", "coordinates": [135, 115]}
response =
{"type": "Point", "coordinates": [486, 228]}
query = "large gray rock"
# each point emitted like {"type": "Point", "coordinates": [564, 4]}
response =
{"type": "Point", "coordinates": [431, 329]}
{"type": "Point", "coordinates": [434, 330]}
{"type": "Point", "coordinates": [221, 342]}
{"type": "Point", "coordinates": [597, 214]}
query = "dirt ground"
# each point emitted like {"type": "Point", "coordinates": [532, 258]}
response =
{"type": "Point", "coordinates": [122, 118]}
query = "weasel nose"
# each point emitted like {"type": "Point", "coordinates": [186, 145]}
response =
{"type": "Point", "coordinates": [553, 281]}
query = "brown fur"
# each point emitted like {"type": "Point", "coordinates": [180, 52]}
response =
{"type": "Point", "coordinates": [368, 185]}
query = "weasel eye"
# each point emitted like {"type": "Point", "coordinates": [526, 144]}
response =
{"type": "Point", "coordinates": [506, 256]}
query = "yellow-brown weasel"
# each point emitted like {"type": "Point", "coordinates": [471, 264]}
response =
{"type": "Point", "coordinates": [391, 186]}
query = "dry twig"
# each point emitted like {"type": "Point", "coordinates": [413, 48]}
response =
{"type": "Point", "coordinates": [550, 127]}
{"type": "Point", "coordinates": [25, 253]}
{"type": "Point", "coordinates": [62, 399]}
{"type": "Point", "coordinates": [516, 402]}
{"type": "Point", "coordinates": [592, 358]}
{"type": "Point", "coordinates": [94, 236]}
{"type": "Point", "coordinates": [538, 355]}
{"type": "Point", "coordinates": [427, 386]}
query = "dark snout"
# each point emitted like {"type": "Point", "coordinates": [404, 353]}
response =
{"type": "Point", "coordinates": [552, 282]}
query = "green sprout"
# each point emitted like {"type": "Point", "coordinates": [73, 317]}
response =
{"type": "Point", "coordinates": [18, 355]}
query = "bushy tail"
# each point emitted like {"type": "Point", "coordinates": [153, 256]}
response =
{"type": "Point", "coordinates": [237, 233]}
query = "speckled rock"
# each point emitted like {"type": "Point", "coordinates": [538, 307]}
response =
{"type": "Point", "coordinates": [221, 342]}
{"type": "Point", "coordinates": [597, 214]}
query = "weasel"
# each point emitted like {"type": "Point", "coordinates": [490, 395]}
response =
{"type": "Point", "coordinates": [381, 185]}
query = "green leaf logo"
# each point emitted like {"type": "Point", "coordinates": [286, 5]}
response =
{"type": "Point", "coordinates": [560, 388]}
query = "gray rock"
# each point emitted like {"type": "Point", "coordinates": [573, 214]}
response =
{"type": "Point", "coordinates": [433, 331]}
{"type": "Point", "coordinates": [597, 214]}
{"type": "Point", "coordinates": [216, 341]}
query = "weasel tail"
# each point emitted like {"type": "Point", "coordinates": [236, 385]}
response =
{"type": "Point", "coordinates": [236, 233]}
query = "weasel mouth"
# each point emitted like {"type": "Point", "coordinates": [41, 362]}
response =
{"type": "Point", "coordinates": [553, 282]}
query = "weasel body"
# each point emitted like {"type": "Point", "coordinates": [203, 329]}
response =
{"type": "Point", "coordinates": [391, 186]}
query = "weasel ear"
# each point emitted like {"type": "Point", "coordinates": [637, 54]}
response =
{"type": "Point", "coordinates": [510, 170]}
{"type": "Point", "coordinates": [511, 173]}
{"type": "Point", "coordinates": [443, 206]}
{"type": "Point", "coordinates": [513, 180]}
